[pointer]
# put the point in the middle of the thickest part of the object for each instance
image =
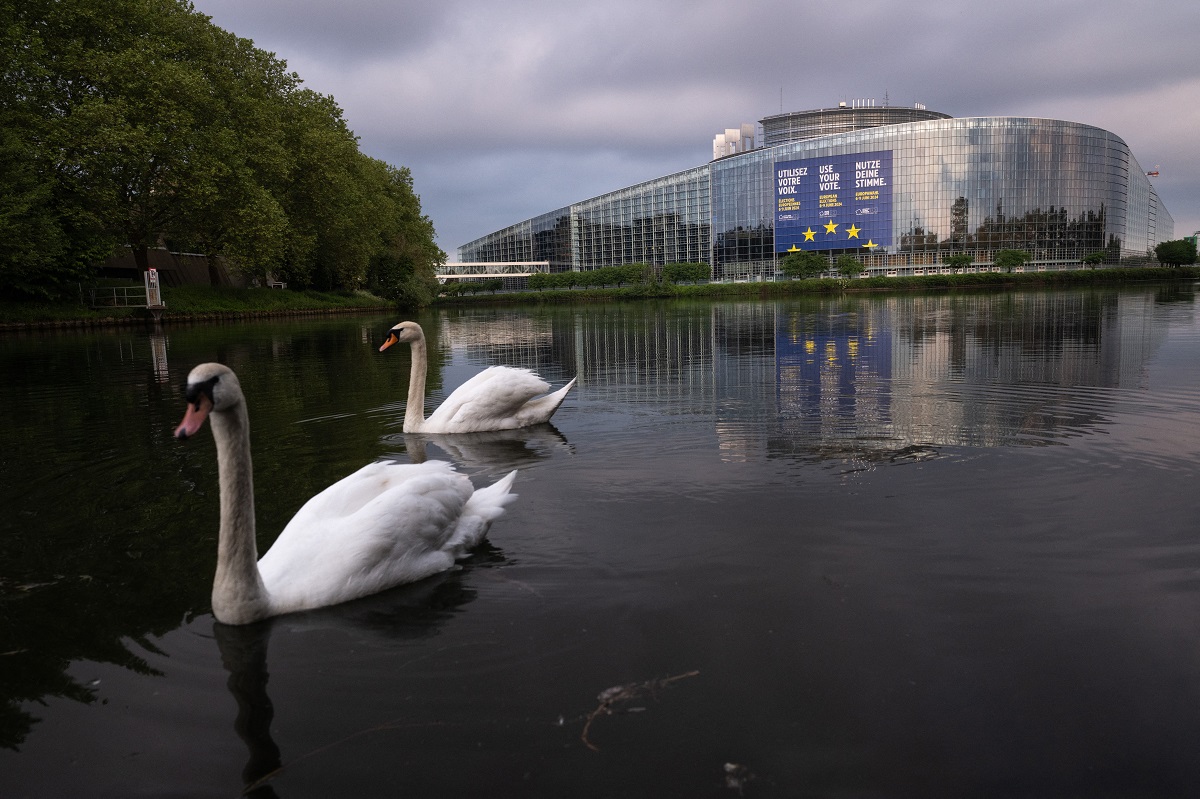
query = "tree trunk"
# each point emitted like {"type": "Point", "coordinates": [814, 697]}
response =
{"type": "Point", "coordinates": [141, 257]}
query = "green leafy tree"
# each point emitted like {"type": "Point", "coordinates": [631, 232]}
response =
{"type": "Point", "coordinates": [1009, 260]}
{"type": "Point", "coordinates": [141, 130]}
{"type": "Point", "coordinates": [803, 264]}
{"type": "Point", "coordinates": [611, 275]}
{"type": "Point", "coordinates": [1178, 252]}
{"type": "Point", "coordinates": [48, 236]}
{"type": "Point", "coordinates": [692, 272]}
{"type": "Point", "coordinates": [404, 265]}
{"type": "Point", "coordinates": [245, 220]}
{"type": "Point", "coordinates": [849, 266]}
{"type": "Point", "coordinates": [960, 261]}
{"type": "Point", "coordinates": [330, 212]}
{"type": "Point", "coordinates": [140, 123]}
{"type": "Point", "coordinates": [33, 239]}
{"type": "Point", "coordinates": [1094, 259]}
{"type": "Point", "coordinates": [639, 273]}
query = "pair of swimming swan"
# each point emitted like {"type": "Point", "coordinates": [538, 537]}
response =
{"type": "Point", "coordinates": [384, 525]}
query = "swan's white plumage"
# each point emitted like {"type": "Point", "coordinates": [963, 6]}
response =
{"type": "Point", "coordinates": [384, 525]}
{"type": "Point", "coordinates": [498, 398]}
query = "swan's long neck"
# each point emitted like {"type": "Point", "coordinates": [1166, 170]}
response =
{"type": "Point", "coordinates": [239, 595]}
{"type": "Point", "coordinates": [414, 411]}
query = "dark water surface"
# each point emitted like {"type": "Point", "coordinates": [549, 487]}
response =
{"type": "Point", "coordinates": [880, 546]}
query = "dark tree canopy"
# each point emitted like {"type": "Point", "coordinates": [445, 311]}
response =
{"type": "Point", "coordinates": [1178, 252]}
{"type": "Point", "coordinates": [138, 123]}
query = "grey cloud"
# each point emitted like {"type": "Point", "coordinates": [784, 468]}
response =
{"type": "Point", "coordinates": [506, 110]}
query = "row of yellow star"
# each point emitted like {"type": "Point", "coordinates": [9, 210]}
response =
{"type": "Point", "coordinates": [831, 227]}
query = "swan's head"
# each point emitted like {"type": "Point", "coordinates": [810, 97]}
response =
{"type": "Point", "coordinates": [405, 331]}
{"type": "Point", "coordinates": [210, 387]}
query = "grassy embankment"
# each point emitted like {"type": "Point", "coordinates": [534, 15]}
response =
{"type": "Point", "coordinates": [190, 303]}
{"type": "Point", "coordinates": [785, 288]}
{"type": "Point", "coordinates": [202, 302]}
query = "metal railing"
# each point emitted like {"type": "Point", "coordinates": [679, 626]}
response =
{"type": "Point", "coordinates": [117, 297]}
{"type": "Point", "coordinates": [148, 295]}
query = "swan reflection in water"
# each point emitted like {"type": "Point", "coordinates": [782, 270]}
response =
{"type": "Point", "coordinates": [497, 450]}
{"type": "Point", "coordinates": [409, 612]}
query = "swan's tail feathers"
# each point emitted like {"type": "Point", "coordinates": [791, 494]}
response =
{"type": "Point", "coordinates": [490, 501]}
{"type": "Point", "coordinates": [484, 507]}
{"type": "Point", "coordinates": [549, 403]}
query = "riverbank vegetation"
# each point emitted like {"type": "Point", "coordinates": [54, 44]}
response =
{"type": "Point", "coordinates": [645, 289]}
{"type": "Point", "coordinates": [191, 302]}
{"type": "Point", "coordinates": [203, 302]}
{"type": "Point", "coordinates": [127, 125]}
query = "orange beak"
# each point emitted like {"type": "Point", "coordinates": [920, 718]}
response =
{"type": "Point", "coordinates": [193, 418]}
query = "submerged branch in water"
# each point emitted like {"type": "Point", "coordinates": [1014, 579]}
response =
{"type": "Point", "coordinates": [624, 693]}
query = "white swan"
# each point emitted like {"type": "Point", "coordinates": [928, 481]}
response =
{"type": "Point", "coordinates": [498, 398]}
{"type": "Point", "coordinates": [386, 524]}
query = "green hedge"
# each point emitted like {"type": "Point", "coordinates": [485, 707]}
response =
{"type": "Point", "coordinates": [784, 288]}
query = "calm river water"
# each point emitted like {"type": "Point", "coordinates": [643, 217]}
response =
{"type": "Point", "coordinates": [871, 546]}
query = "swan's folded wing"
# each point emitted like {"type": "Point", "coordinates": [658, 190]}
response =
{"type": "Point", "coordinates": [395, 537]}
{"type": "Point", "coordinates": [494, 396]}
{"type": "Point", "coordinates": [355, 490]}
{"type": "Point", "coordinates": [359, 505]}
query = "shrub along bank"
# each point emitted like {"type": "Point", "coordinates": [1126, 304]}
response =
{"type": "Point", "coordinates": [203, 302]}
{"type": "Point", "coordinates": [785, 288]}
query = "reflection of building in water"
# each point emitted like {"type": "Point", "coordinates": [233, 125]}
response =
{"type": "Point", "coordinates": [951, 354]}
{"type": "Point", "coordinates": [521, 341]}
{"type": "Point", "coordinates": [885, 375]}
{"type": "Point", "coordinates": [833, 367]}
{"type": "Point", "coordinates": [514, 333]}
{"type": "Point", "coordinates": [744, 375]}
{"type": "Point", "coordinates": [871, 375]}
{"type": "Point", "coordinates": [623, 353]}
{"type": "Point", "coordinates": [648, 354]}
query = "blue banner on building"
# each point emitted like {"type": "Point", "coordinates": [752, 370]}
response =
{"type": "Point", "coordinates": [837, 202]}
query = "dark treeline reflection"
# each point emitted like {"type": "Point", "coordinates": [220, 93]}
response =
{"type": "Point", "coordinates": [109, 541]}
{"type": "Point", "coordinates": [406, 613]}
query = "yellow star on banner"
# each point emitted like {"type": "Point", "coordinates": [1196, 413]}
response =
{"type": "Point", "coordinates": [831, 227]}
{"type": "Point", "coordinates": [793, 248]}
{"type": "Point", "coordinates": [852, 232]}
{"type": "Point", "coordinates": [808, 234]}
{"type": "Point", "coordinates": [870, 245]}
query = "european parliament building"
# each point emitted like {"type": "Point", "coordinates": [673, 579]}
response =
{"type": "Point", "coordinates": [899, 188]}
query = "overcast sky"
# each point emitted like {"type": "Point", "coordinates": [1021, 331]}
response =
{"type": "Point", "coordinates": [505, 110]}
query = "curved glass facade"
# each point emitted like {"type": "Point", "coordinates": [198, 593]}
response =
{"type": "Point", "coordinates": [899, 197]}
{"type": "Point", "coordinates": [799, 125]}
